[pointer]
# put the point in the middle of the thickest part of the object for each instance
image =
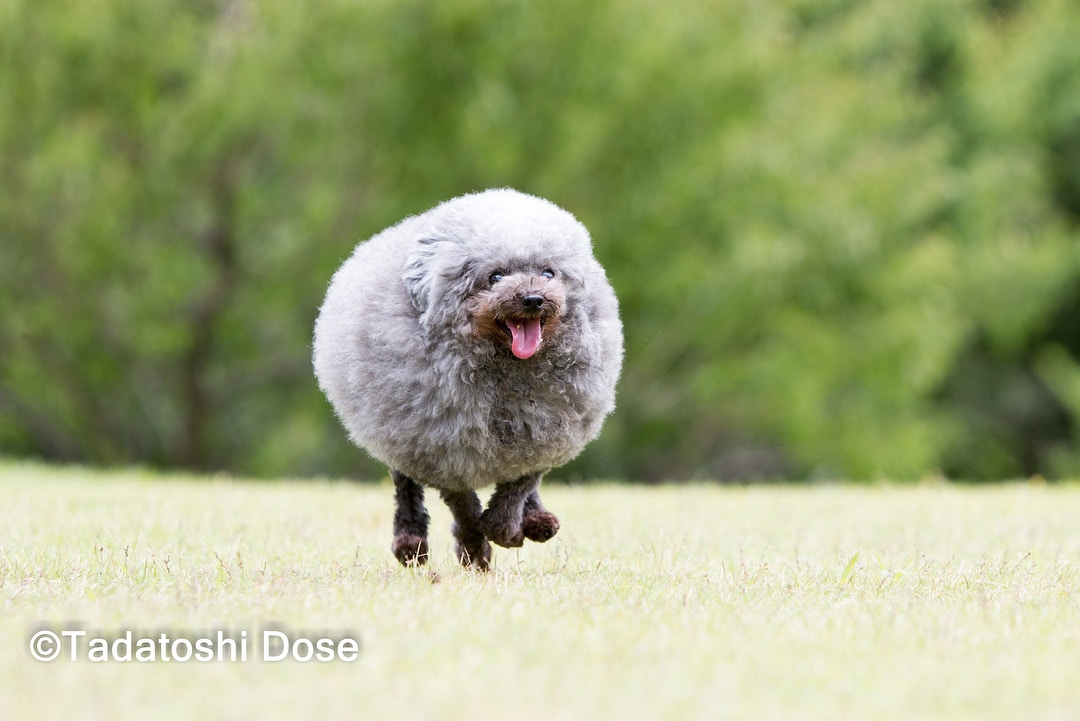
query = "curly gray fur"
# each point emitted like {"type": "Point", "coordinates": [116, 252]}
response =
{"type": "Point", "coordinates": [413, 348]}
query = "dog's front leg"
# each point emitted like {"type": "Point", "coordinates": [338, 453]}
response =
{"type": "Point", "coordinates": [470, 546]}
{"type": "Point", "coordinates": [410, 521]}
{"type": "Point", "coordinates": [501, 522]}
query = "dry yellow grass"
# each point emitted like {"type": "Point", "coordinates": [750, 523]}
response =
{"type": "Point", "coordinates": [676, 602]}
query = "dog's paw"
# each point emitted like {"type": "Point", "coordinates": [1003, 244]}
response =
{"type": "Point", "coordinates": [410, 550]}
{"type": "Point", "coordinates": [540, 526]}
{"type": "Point", "coordinates": [499, 532]}
{"type": "Point", "coordinates": [474, 555]}
{"type": "Point", "coordinates": [471, 548]}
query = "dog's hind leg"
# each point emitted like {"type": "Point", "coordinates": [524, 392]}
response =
{"type": "Point", "coordinates": [410, 521]}
{"type": "Point", "coordinates": [470, 547]}
{"type": "Point", "coordinates": [538, 523]}
{"type": "Point", "coordinates": [501, 522]}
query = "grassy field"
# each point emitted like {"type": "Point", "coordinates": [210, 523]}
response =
{"type": "Point", "coordinates": [820, 602]}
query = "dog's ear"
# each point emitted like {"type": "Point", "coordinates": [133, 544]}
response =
{"type": "Point", "coordinates": [419, 275]}
{"type": "Point", "coordinates": [435, 266]}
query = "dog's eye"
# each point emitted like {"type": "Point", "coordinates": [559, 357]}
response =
{"type": "Point", "coordinates": [494, 278]}
{"type": "Point", "coordinates": [548, 273]}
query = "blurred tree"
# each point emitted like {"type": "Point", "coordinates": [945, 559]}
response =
{"type": "Point", "coordinates": [844, 234]}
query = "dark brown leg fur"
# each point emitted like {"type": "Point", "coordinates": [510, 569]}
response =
{"type": "Point", "coordinates": [502, 521]}
{"type": "Point", "coordinates": [410, 521]}
{"type": "Point", "coordinates": [470, 547]}
{"type": "Point", "coordinates": [537, 523]}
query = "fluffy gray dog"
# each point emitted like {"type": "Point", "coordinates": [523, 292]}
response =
{"type": "Point", "coordinates": [476, 343]}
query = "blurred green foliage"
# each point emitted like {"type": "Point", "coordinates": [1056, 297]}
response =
{"type": "Point", "coordinates": [844, 234]}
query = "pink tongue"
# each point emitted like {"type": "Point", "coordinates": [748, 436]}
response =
{"type": "Point", "coordinates": [526, 337]}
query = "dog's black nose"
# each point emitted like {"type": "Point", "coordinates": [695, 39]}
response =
{"type": "Point", "coordinates": [533, 301]}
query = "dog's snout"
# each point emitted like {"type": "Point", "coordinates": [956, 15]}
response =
{"type": "Point", "coordinates": [532, 301]}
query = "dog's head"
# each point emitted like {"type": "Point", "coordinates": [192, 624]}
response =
{"type": "Point", "coordinates": [521, 307]}
{"type": "Point", "coordinates": [500, 268]}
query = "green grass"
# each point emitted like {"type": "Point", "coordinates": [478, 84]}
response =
{"type": "Point", "coordinates": [652, 603]}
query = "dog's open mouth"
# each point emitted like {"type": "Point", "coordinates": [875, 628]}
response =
{"type": "Point", "coordinates": [526, 335]}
